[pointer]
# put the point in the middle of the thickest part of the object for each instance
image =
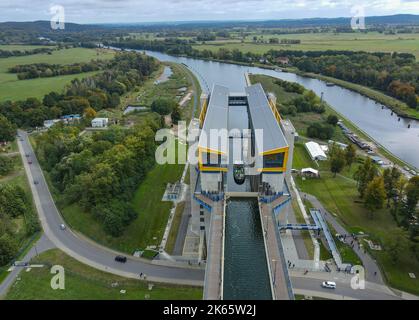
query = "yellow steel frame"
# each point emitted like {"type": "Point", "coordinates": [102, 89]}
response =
{"type": "Point", "coordinates": [284, 150]}
{"type": "Point", "coordinates": [202, 150]}
{"type": "Point", "coordinates": [275, 111]}
{"type": "Point", "coordinates": [203, 113]}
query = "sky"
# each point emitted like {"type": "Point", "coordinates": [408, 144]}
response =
{"type": "Point", "coordinates": [130, 11]}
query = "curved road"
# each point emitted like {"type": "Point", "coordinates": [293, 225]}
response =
{"type": "Point", "coordinates": [88, 251]}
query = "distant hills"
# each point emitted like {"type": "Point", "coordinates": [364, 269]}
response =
{"type": "Point", "coordinates": [44, 26]}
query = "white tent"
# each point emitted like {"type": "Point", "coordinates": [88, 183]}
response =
{"type": "Point", "coordinates": [310, 172]}
{"type": "Point", "coordinates": [315, 151]}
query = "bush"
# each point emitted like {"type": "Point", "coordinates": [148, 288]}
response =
{"type": "Point", "coordinates": [163, 106]}
{"type": "Point", "coordinates": [6, 165]}
{"type": "Point", "coordinates": [320, 131]}
{"type": "Point", "coordinates": [332, 119]}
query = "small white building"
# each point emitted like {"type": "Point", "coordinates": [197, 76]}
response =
{"type": "Point", "coordinates": [100, 122]}
{"type": "Point", "coordinates": [315, 151]}
{"type": "Point", "coordinates": [310, 172]}
{"type": "Point", "coordinates": [49, 123]}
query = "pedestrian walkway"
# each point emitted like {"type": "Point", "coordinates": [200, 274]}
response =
{"type": "Point", "coordinates": [42, 245]}
{"type": "Point", "coordinates": [372, 271]}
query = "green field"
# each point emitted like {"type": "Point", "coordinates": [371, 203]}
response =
{"type": "Point", "coordinates": [13, 89]}
{"type": "Point", "coordinates": [85, 283]}
{"type": "Point", "coordinates": [370, 42]}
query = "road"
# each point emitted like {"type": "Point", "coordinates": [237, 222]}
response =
{"type": "Point", "coordinates": [87, 251]}
{"type": "Point", "coordinates": [43, 244]}
{"type": "Point", "coordinates": [311, 285]}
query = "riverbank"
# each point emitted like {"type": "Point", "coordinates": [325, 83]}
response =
{"type": "Point", "coordinates": [400, 108]}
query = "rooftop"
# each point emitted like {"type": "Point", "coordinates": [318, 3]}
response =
{"type": "Point", "coordinates": [216, 118]}
{"type": "Point", "coordinates": [263, 118]}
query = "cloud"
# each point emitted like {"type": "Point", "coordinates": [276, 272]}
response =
{"type": "Point", "coordinates": [94, 11]}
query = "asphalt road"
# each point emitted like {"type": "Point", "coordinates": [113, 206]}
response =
{"type": "Point", "coordinates": [87, 251]}
{"type": "Point", "coordinates": [343, 290]}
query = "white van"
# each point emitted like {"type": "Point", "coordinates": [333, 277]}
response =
{"type": "Point", "coordinates": [329, 285]}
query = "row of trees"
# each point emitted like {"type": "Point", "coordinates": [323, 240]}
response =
{"type": "Point", "coordinates": [125, 71]}
{"type": "Point", "coordinates": [395, 74]}
{"type": "Point", "coordinates": [14, 203]}
{"type": "Point", "coordinates": [46, 70]}
{"type": "Point", "coordinates": [19, 53]}
{"type": "Point", "coordinates": [102, 171]}
{"type": "Point", "coordinates": [390, 188]}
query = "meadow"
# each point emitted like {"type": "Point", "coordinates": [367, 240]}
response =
{"type": "Point", "coordinates": [370, 42]}
{"type": "Point", "coordinates": [13, 89]}
{"type": "Point", "coordinates": [85, 283]}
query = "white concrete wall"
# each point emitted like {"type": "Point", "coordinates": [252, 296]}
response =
{"type": "Point", "coordinates": [276, 181]}
{"type": "Point", "coordinates": [210, 181]}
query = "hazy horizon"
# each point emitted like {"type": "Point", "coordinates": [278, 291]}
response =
{"type": "Point", "coordinates": [163, 11]}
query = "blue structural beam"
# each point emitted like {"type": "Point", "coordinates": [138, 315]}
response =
{"type": "Point", "coordinates": [298, 227]}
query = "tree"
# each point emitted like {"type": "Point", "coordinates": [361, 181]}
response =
{"type": "Point", "coordinates": [391, 177]}
{"type": "Point", "coordinates": [7, 130]}
{"type": "Point", "coordinates": [163, 106]}
{"type": "Point", "coordinates": [332, 119]}
{"type": "Point", "coordinates": [176, 115]}
{"type": "Point", "coordinates": [8, 249]}
{"type": "Point", "coordinates": [350, 154]}
{"type": "Point", "coordinates": [6, 165]}
{"type": "Point", "coordinates": [89, 113]}
{"type": "Point", "coordinates": [337, 160]}
{"type": "Point", "coordinates": [410, 201]}
{"type": "Point", "coordinates": [364, 175]}
{"type": "Point", "coordinates": [375, 195]}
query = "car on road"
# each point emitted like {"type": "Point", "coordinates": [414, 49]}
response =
{"type": "Point", "coordinates": [121, 259]}
{"type": "Point", "coordinates": [35, 182]}
{"type": "Point", "coordinates": [329, 285]}
{"type": "Point", "coordinates": [29, 162]}
{"type": "Point", "coordinates": [20, 264]}
{"type": "Point", "coordinates": [62, 226]}
{"type": "Point", "coordinates": [27, 155]}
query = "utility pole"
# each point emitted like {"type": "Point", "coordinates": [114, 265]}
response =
{"type": "Point", "coordinates": [274, 261]}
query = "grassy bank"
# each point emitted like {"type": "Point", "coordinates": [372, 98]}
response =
{"type": "Point", "coordinates": [85, 283]}
{"type": "Point", "coordinates": [171, 240]}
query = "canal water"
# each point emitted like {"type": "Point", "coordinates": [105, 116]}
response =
{"type": "Point", "coordinates": [380, 124]}
{"type": "Point", "coordinates": [246, 275]}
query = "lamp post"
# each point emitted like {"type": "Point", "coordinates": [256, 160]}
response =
{"type": "Point", "coordinates": [274, 261]}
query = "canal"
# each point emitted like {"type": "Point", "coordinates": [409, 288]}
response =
{"type": "Point", "coordinates": [381, 125]}
{"type": "Point", "coordinates": [246, 275]}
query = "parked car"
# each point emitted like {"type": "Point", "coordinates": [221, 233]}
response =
{"type": "Point", "coordinates": [329, 285]}
{"type": "Point", "coordinates": [62, 226]}
{"type": "Point", "coordinates": [20, 264]}
{"type": "Point", "coordinates": [121, 259]}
